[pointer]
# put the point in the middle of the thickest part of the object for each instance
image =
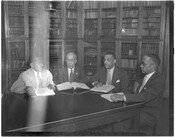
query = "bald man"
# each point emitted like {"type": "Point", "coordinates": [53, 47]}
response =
{"type": "Point", "coordinates": [72, 72]}
{"type": "Point", "coordinates": [34, 77]}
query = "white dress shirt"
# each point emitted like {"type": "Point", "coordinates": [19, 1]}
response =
{"type": "Point", "coordinates": [69, 71]}
{"type": "Point", "coordinates": [40, 75]}
{"type": "Point", "coordinates": [111, 71]}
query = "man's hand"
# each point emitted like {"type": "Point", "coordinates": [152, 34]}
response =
{"type": "Point", "coordinates": [117, 97]}
{"type": "Point", "coordinates": [97, 84]}
{"type": "Point", "coordinates": [50, 86]}
{"type": "Point", "coordinates": [30, 91]}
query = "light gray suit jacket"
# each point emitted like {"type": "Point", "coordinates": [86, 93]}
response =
{"type": "Point", "coordinates": [27, 78]}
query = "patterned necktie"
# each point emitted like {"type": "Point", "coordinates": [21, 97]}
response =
{"type": "Point", "coordinates": [108, 79]}
{"type": "Point", "coordinates": [143, 83]}
{"type": "Point", "coordinates": [71, 76]}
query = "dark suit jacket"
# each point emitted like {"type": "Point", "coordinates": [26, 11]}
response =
{"type": "Point", "coordinates": [119, 79]}
{"type": "Point", "coordinates": [151, 94]}
{"type": "Point", "coordinates": [79, 75]}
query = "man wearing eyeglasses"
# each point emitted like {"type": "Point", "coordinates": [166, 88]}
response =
{"type": "Point", "coordinates": [150, 90]}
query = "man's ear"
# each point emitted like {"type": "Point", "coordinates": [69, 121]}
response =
{"type": "Point", "coordinates": [115, 61]}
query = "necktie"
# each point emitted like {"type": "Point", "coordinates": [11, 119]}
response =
{"type": "Point", "coordinates": [108, 79]}
{"type": "Point", "coordinates": [143, 83]}
{"type": "Point", "coordinates": [71, 76]}
{"type": "Point", "coordinates": [39, 79]}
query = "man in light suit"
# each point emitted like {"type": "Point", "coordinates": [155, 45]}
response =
{"type": "Point", "coordinates": [111, 74]}
{"type": "Point", "coordinates": [72, 72]}
{"type": "Point", "coordinates": [32, 78]}
{"type": "Point", "coordinates": [150, 91]}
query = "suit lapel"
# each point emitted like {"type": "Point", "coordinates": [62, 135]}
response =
{"type": "Point", "coordinates": [149, 81]}
{"type": "Point", "coordinates": [116, 75]}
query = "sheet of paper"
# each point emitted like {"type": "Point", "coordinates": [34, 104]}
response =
{"type": "Point", "coordinates": [104, 88]}
{"type": "Point", "coordinates": [44, 92]}
{"type": "Point", "coordinates": [108, 96]}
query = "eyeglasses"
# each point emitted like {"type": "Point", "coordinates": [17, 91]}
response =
{"type": "Point", "coordinates": [144, 64]}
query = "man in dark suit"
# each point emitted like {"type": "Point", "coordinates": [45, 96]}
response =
{"type": "Point", "coordinates": [111, 74]}
{"type": "Point", "coordinates": [150, 91]}
{"type": "Point", "coordinates": [72, 72]}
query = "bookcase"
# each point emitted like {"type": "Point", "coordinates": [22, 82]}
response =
{"type": "Point", "coordinates": [71, 19]}
{"type": "Point", "coordinates": [16, 39]}
{"type": "Point", "coordinates": [88, 28]}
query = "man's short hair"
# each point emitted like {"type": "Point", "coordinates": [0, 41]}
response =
{"type": "Point", "coordinates": [111, 53]}
{"type": "Point", "coordinates": [154, 58]}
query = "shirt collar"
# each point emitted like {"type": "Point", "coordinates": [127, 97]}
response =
{"type": "Point", "coordinates": [71, 69]}
{"type": "Point", "coordinates": [112, 69]}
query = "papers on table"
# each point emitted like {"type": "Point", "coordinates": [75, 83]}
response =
{"type": "Point", "coordinates": [103, 88]}
{"type": "Point", "coordinates": [108, 96]}
{"type": "Point", "coordinates": [74, 85]}
{"type": "Point", "coordinates": [44, 92]}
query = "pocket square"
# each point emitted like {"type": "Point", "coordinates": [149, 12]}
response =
{"type": "Point", "coordinates": [117, 81]}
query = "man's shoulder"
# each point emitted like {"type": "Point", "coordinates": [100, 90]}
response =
{"type": "Point", "coordinates": [120, 69]}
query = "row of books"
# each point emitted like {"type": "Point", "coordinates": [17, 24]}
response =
{"type": "Point", "coordinates": [55, 32]}
{"type": "Point", "coordinates": [91, 32]}
{"type": "Point", "coordinates": [130, 31]}
{"type": "Point", "coordinates": [17, 31]}
{"type": "Point", "coordinates": [151, 32]}
{"type": "Point", "coordinates": [152, 20]}
{"type": "Point", "coordinates": [90, 4]}
{"type": "Point", "coordinates": [151, 25]}
{"type": "Point", "coordinates": [130, 3]}
{"type": "Point", "coordinates": [90, 52]}
{"type": "Point", "coordinates": [108, 32]}
{"type": "Point", "coordinates": [129, 49]}
{"type": "Point", "coordinates": [17, 64]}
{"type": "Point", "coordinates": [72, 32]}
{"type": "Point", "coordinates": [72, 14]}
{"type": "Point", "coordinates": [109, 14]}
{"type": "Point", "coordinates": [91, 23]}
{"type": "Point", "coordinates": [106, 23]}
{"type": "Point", "coordinates": [57, 14]}
{"type": "Point", "coordinates": [55, 63]}
{"type": "Point", "coordinates": [16, 21]}
{"type": "Point", "coordinates": [55, 52]}
{"type": "Point", "coordinates": [129, 63]}
{"type": "Point", "coordinates": [109, 4]}
{"type": "Point", "coordinates": [91, 14]}
{"type": "Point", "coordinates": [150, 48]}
{"type": "Point", "coordinates": [130, 25]}
{"type": "Point", "coordinates": [131, 13]}
{"type": "Point", "coordinates": [132, 74]}
{"type": "Point", "coordinates": [16, 10]}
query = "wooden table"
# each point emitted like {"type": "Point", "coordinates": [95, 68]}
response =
{"type": "Point", "coordinates": [65, 113]}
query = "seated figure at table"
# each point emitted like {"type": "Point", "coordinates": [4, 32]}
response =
{"type": "Point", "coordinates": [34, 77]}
{"type": "Point", "coordinates": [111, 74]}
{"type": "Point", "coordinates": [72, 72]}
{"type": "Point", "coordinates": [149, 90]}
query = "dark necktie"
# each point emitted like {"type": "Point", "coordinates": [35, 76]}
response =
{"type": "Point", "coordinates": [71, 76]}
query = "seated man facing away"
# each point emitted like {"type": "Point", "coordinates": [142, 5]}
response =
{"type": "Point", "coordinates": [72, 72]}
{"type": "Point", "coordinates": [35, 77]}
{"type": "Point", "coordinates": [111, 74]}
{"type": "Point", "coordinates": [150, 91]}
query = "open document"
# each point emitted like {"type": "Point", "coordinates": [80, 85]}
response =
{"type": "Point", "coordinates": [103, 88]}
{"type": "Point", "coordinates": [73, 85]}
{"type": "Point", "coordinates": [44, 92]}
